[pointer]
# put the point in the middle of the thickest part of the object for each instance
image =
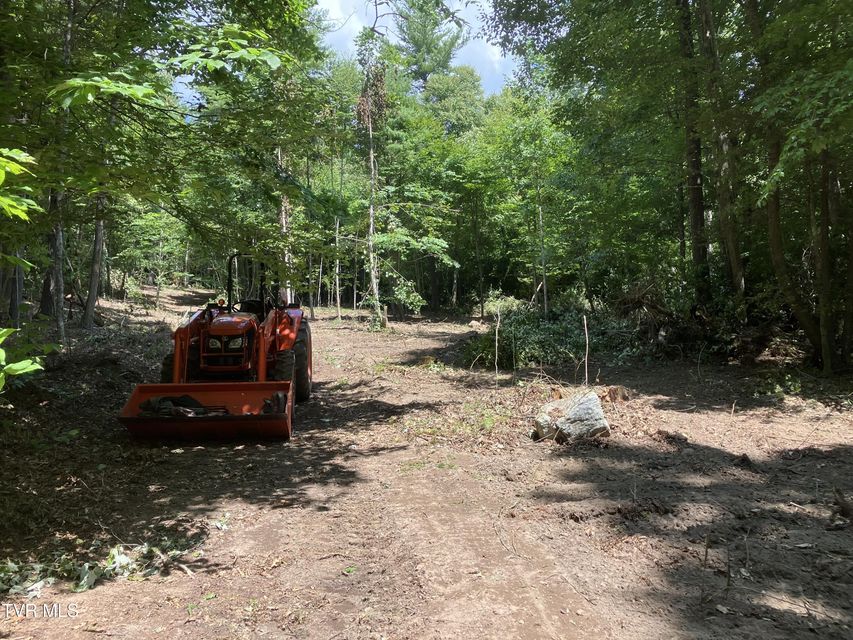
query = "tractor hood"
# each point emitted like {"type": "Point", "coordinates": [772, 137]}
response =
{"type": "Point", "coordinates": [232, 324]}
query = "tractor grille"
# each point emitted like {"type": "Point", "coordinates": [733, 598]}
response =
{"type": "Point", "coordinates": [216, 360]}
{"type": "Point", "coordinates": [222, 356]}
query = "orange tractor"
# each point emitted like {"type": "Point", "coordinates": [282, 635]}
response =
{"type": "Point", "coordinates": [236, 369]}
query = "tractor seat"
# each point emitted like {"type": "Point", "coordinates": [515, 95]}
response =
{"type": "Point", "coordinates": [252, 306]}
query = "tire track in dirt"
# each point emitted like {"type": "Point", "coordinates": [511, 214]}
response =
{"type": "Point", "coordinates": [356, 541]}
{"type": "Point", "coordinates": [483, 577]}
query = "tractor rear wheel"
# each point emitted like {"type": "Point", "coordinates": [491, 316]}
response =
{"type": "Point", "coordinates": [283, 368]}
{"type": "Point", "coordinates": [302, 369]}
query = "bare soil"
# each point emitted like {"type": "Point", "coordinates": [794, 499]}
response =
{"type": "Point", "coordinates": [411, 502]}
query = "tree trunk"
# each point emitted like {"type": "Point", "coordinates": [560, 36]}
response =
{"type": "Point", "coordinates": [187, 266]}
{"type": "Point", "coordinates": [52, 303]}
{"type": "Point", "coordinates": [55, 199]}
{"type": "Point", "coordinates": [845, 215]}
{"type": "Point", "coordinates": [801, 311]}
{"type": "Point", "coordinates": [777, 255]}
{"type": "Point", "coordinates": [47, 298]}
{"type": "Point", "coordinates": [338, 266]}
{"type": "Point", "coordinates": [724, 165]}
{"type": "Point", "coordinates": [693, 156]}
{"type": "Point", "coordinates": [824, 271]}
{"type": "Point", "coordinates": [541, 227]}
{"type": "Point", "coordinates": [338, 238]}
{"type": "Point", "coordinates": [310, 287]}
{"type": "Point", "coordinates": [373, 261]}
{"type": "Point", "coordinates": [682, 230]}
{"type": "Point", "coordinates": [107, 280]}
{"type": "Point", "coordinates": [847, 336]}
{"type": "Point", "coordinates": [7, 285]}
{"type": "Point", "coordinates": [57, 250]}
{"type": "Point", "coordinates": [320, 284]}
{"type": "Point", "coordinates": [355, 280]}
{"type": "Point", "coordinates": [88, 320]}
{"type": "Point", "coordinates": [477, 252]}
{"type": "Point", "coordinates": [285, 209]}
{"type": "Point", "coordinates": [17, 297]}
{"type": "Point", "coordinates": [434, 289]}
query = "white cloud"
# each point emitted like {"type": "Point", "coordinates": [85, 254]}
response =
{"type": "Point", "coordinates": [348, 17]}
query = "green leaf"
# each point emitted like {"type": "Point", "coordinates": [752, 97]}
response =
{"type": "Point", "coordinates": [271, 59]}
{"type": "Point", "coordinates": [22, 367]}
{"type": "Point", "coordinates": [16, 261]}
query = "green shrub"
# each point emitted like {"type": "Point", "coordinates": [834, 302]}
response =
{"type": "Point", "coordinates": [526, 338]}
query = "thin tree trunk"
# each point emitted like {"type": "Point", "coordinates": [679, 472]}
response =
{"type": "Point", "coordinates": [477, 252]}
{"type": "Point", "coordinates": [777, 255]}
{"type": "Point", "coordinates": [824, 271]}
{"type": "Point", "coordinates": [52, 303]}
{"type": "Point", "coordinates": [310, 287]}
{"type": "Point", "coordinates": [284, 212]}
{"type": "Point", "coordinates": [693, 151]}
{"type": "Point", "coordinates": [56, 199]}
{"type": "Point", "coordinates": [682, 230]}
{"type": "Point", "coordinates": [725, 161]}
{"type": "Point", "coordinates": [434, 289]}
{"type": "Point", "coordinates": [57, 250]}
{"type": "Point", "coordinates": [338, 239]}
{"type": "Point", "coordinates": [107, 280]}
{"type": "Point", "coordinates": [17, 294]}
{"type": "Point", "coordinates": [88, 320]}
{"type": "Point", "coordinates": [338, 266]}
{"type": "Point", "coordinates": [355, 282]}
{"type": "Point", "coordinates": [47, 298]}
{"type": "Point", "coordinates": [320, 283]}
{"type": "Point", "coordinates": [187, 266]}
{"type": "Point", "coordinates": [845, 215]}
{"type": "Point", "coordinates": [371, 250]}
{"type": "Point", "coordinates": [847, 336]}
{"type": "Point", "coordinates": [541, 225]}
{"type": "Point", "coordinates": [789, 290]}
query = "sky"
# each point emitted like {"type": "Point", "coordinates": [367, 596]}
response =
{"type": "Point", "coordinates": [347, 18]}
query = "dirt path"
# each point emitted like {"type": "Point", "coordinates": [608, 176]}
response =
{"type": "Point", "coordinates": [411, 504]}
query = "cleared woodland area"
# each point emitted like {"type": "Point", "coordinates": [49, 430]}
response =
{"type": "Point", "coordinates": [653, 208]}
{"type": "Point", "coordinates": [411, 502]}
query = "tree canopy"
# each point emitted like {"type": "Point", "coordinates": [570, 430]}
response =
{"type": "Point", "coordinates": [681, 166]}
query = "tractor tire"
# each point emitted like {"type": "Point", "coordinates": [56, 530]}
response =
{"type": "Point", "coordinates": [301, 369]}
{"type": "Point", "coordinates": [283, 368]}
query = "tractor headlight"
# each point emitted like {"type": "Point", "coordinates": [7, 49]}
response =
{"type": "Point", "coordinates": [235, 344]}
{"type": "Point", "coordinates": [214, 344]}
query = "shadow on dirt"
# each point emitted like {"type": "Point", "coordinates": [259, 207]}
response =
{"type": "Point", "coordinates": [74, 484]}
{"type": "Point", "coordinates": [447, 349]}
{"type": "Point", "coordinates": [742, 549]}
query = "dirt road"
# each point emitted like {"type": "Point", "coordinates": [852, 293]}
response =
{"type": "Point", "coordinates": [412, 504]}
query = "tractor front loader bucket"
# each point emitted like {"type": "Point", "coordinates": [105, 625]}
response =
{"type": "Point", "coordinates": [225, 410]}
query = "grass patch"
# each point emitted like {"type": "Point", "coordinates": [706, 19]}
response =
{"type": "Point", "coordinates": [474, 420]}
